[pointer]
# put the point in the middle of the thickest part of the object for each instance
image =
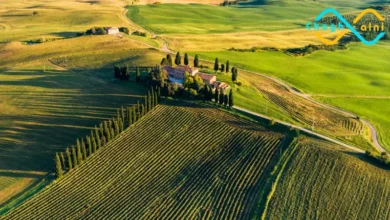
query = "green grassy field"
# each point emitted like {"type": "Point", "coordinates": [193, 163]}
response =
{"type": "Point", "coordinates": [321, 183]}
{"type": "Point", "coordinates": [360, 70]}
{"type": "Point", "coordinates": [207, 19]}
{"type": "Point", "coordinates": [203, 163]}
{"type": "Point", "coordinates": [198, 27]}
{"type": "Point", "coordinates": [375, 110]}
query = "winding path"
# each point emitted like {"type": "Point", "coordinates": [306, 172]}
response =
{"type": "Point", "coordinates": [291, 89]}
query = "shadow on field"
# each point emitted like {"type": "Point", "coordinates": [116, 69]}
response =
{"type": "Point", "coordinates": [42, 113]}
{"type": "Point", "coordinates": [65, 34]}
{"type": "Point", "coordinates": [19, 174]}
{"type": "Point", "coordinates": [365, 159]}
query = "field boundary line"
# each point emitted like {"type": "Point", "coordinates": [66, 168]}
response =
{"type": "Point", "coordinates": [300, 128]}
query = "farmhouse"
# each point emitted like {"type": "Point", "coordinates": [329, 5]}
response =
{"type": "Point", "coordinates": [208, 78]}
{"type": "Point", "coordinates": [112, 30]}
{"type": "Point", "coordinates": [176, 75]}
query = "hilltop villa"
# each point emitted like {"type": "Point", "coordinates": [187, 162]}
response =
{"type": "Point", "coordinates": [176, 75]}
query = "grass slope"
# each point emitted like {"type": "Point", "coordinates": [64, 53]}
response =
{"type": "Point", "coordinates": [205, 27]}
{"type": "Point", "coordinates": [44, 111]}
{"type": "Point", "coordinates": [202, 163]}
{"type": "Point", "coordinates": [376, 110]}
{"type": "Point", "coordinates": [321, 183]}
{"type": "Point", "coordinates": [360, 70]}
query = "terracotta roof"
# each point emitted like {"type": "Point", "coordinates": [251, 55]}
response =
{"type": "Point", "coordinates": [186, 68]}
{"type": "Point", "coordinates": [206, 76]}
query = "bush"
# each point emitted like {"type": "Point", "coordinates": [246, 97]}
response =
{"type": "Point", "coordinates": [80, 34]}
{"type": "Point", "coordinates": [139, 33]}
{"type": "Point", "coordinates": [124, 30]}
{"type": "Point", "coordinates": [35, 13]}
{"type": "Point", "coordinates": [41, 40]}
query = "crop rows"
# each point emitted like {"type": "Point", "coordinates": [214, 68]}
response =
{"type": "Point", "coordinates": [353, 125]}
{"type": "Point", "coordinates": [325, 184]}
{"type": "Point", "coordinates": [324, 119]}
{"type": "Point", "coordinates": [176, 163]}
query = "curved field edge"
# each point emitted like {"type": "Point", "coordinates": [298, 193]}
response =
{"type": "Point", "coordinates": [374, 110]}
{"type": "Point", "coordinates": [323, 183]}
{"type": "Point", "coordinates": [181, 169]}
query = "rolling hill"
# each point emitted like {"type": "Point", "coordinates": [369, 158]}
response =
{"type": "Point", "coordinates": [209, 164]}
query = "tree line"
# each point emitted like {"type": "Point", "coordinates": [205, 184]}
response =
{"type": "Point", "coordinates": [123, 73]}
{"type": "Point", "coordinates": [106, 131]}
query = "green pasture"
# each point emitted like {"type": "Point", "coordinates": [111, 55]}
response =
{"type": "Point", "coordinates": [202, 19]}
{"type": "Point", "coordinates": [360, 70]}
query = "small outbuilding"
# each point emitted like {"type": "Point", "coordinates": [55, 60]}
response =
{"type": "Point", "coordinates": [112, 30]}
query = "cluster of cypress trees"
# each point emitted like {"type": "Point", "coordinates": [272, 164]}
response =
{"type": "Point", "coordinates": [107, 131]}
{"type": "Point", "coordinates": [224, 99]}
{"type": "Point", "coordinates": [124, 74]}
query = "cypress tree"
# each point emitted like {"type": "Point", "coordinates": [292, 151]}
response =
{"type": "Point", "coordinates": [205, 93]}
{"type": "Point", "coordinates": [134, 115]}
{"type": "Point", "coordinates": [79, 155]}
{"type": "Point", "coordinates": [117, 129]}
{"type": "Point", "coordinates": [138, 109]}
{"type": "Point", "coordinates": [159, 94]}
{"type": "Point", "coordinates": [155, 98]}
{"type": "Point", "coordinates": [164, 62]}
{"type": "Point", "coordinates": [146, 102]}
{"type": "Point", "coordinates": [98, 138]}
{"type": "Point", "coordinates": [118, 115]}
{"type": "Point", "coordinates": [143, 110]}
{"type": "Point", "coordinates": [196, 61]}
{"type": "Point", "coordinates": [231, 103]}
{"type": "Point", "coordinates": [152, 94]}
{"type": "Point", "coordinates": [78, 144]}
{"type": "Point", "coordinates": [74, 154]}
{"type": "Point", "coordinates": [63, 161]}
{"type": "Point", "coordinates": [117, 72]}
{"type": "Point", "coordinates": [94, 145]}
{"type": "Point", "coordinates": [113, 133]}
{"type": "Point", "coordinates": [84, 149]}
{"type": "Point", "coordinates": [138, 75]}
{"type": "Point", "coordinates": [225, 100]}
{"type": "Point", "coordinates": [149, 101]}
{"type": "Point", "coordinates": [178, 59]}
{"type": "Point", "coordinates": [216, 65]}
{"type": "Point", "coordinates": [101, 131]}
{"type": "Point", "coordinates": [108, 134]}
{"type": "Point", "coordinates": [122, 113]}
{"type": "Point", "coordinates": [227, 66]}
{"type": "Point", "coordinates": [104, 141]}
{"type": "Point", "coordinates": [121, 126]}
{"type": "Point", "coordinates": [221, 98]}
{"type": "Point", "coordinates": [59, 170]}
{"type": "Point", "coordinates": [130, 117]}
{"type": "Point", "coordinates": [89, 142]}
{"type": "Point", "coordinates": [222, 67]}
{"type": "Point", "coordinates": [216, 97]}
{"type": "Point", "coordinates": [169, 59]}
{"type": "Point", "coordinates": [186, 59]}
{"type": "Point", "coordinates": [69, 158]}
